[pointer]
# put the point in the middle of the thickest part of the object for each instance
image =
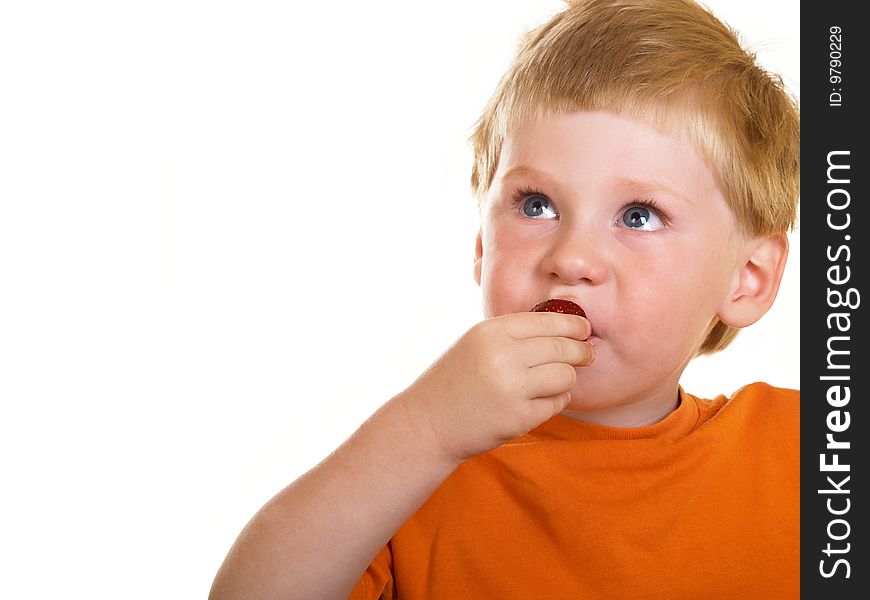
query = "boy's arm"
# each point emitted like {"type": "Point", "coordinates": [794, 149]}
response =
{"type": "Point", "coordinates": [316, 537]}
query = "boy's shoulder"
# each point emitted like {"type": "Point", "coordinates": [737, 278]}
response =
{"type": "Point", "coordinates": [754, 392]}
{"type": "Point", "coordinates": [759, 405]}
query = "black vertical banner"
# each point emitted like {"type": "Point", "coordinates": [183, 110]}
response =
{"type": "Point", "coordinates": [834, 335]}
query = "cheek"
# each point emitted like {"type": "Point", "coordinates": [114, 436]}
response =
{"type": "Point", "coordinates": [650, 340]}
{"type": "Point", "coordinates": [507, 277]}
{"type": "Point", "coordinates": [663, 304]}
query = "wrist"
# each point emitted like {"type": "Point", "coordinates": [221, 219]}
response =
{"type": "Point", "coordinates": [423, 435]}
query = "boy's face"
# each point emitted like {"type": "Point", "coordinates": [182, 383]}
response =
{"type": "Point", "coordinates": [627, 222]}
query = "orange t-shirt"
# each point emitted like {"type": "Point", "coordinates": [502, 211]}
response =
{"type": "Point", "coordinates": [704, 504]}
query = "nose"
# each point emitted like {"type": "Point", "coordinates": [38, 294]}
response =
{"type": "Point", "coordinates": [576, 256]}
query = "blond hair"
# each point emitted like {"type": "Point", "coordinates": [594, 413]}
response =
{"type": "Point", "coordinates": [670, 63]}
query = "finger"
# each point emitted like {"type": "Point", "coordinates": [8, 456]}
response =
{"type": "Point", "coordinates": [549, 406]}
{"type": "Point", "coordinates": [543, 350]}
{"type": "Point", "coordinates": [541, 324]}
{"type": "Point", "coordinates": [550, 379]}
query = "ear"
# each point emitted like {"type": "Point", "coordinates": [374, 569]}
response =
{"type": "Point", "coordinates": [756, 281]}
{"type": "Point", "coordinates": [478, 256]}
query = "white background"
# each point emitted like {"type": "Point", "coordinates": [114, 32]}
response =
{"type": "Point", "coordinates": [229, 232]}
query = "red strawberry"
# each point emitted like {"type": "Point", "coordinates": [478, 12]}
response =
{"type": "Point", "coordinates": [559, 306]}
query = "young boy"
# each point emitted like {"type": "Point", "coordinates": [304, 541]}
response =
{"type": "Point", "coordinates": [635, 161]}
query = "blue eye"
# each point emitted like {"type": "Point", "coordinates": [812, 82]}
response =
{"type": "Point", "coordinates": [534, 205]}
{"type": "Point", "coordinates": [641, 218]}
{"type": "Point", "coordinates": [537, 207]}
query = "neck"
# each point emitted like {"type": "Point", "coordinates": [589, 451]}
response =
{"type": "Point", "coordinates": [636, 413]}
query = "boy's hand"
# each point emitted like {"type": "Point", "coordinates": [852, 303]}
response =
{"type": "Point", "coordinates": [505, 376]}
{"type": "Point", "coordinates": [314, 538]}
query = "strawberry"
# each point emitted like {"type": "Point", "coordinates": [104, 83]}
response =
{"type": "Point", "coordinates": [559, 306]}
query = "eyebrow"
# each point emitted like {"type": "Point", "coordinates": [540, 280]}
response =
{"type": "Point", "coordinates": [637, 186]}
{"type": "Point", "coordinates": [524, 170]}
{"type": "Point", "coordinates": [652, 186]}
